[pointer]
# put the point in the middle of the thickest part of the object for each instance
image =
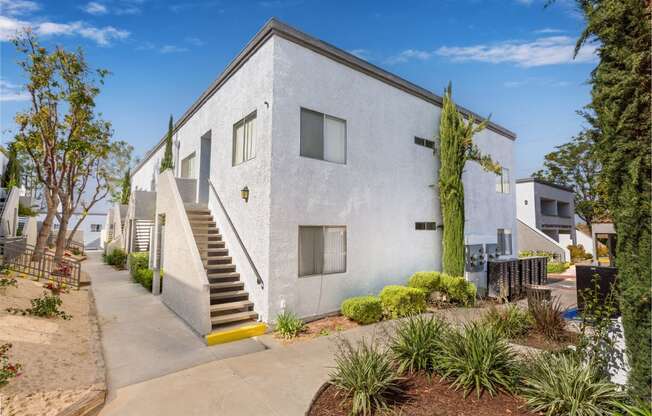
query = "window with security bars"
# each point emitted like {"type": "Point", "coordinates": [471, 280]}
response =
{"type": "Point", "coordinates": [322, 250]}
{"type": "Point", "coordinates": [244, 139]}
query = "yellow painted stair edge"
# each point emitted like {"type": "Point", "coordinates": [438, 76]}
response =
{"type": "Point", "coordinates": [242, 332]}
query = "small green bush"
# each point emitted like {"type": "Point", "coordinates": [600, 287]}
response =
{"type": "Point", "coordinates": [555, 267]}
{"type": "Point", "coordinates": [478, 357]}
{"type": "Point", "coordinates": [400, 301]}
{"type": "Point", "coordinates": [144, 277]}
{"type": "Point", "coordinates": [288, 325]}
{"type": "Point", "coordinates": [458, 290]}
{"type": "Point", "coordinates": [548, 317]}
{"type": "Point", "coordinates": [560, 384]}
{"type": "Point", "coordinates": [138, 261]}
{"type": "Point", "coordinates": [138, 267]}
{"type": "Point", "coordinates": [47, 306]}
{"type": "Point", "coordinates": [416, 343]}
{"type": "Point", "coordinates": [577, 252]}
{"type": "Point", "coordinates": [117, 258]}
{"type": "Point", "coordinates": [26, 211]}
{"type": "Point", "coordinates": [363, 309]}
{"type": "Point", "coordinates": [367, 376]}
{"type": "Point", "coordinates": [512, 321]}
{"type": "Point", "coordinates": [427, 281]}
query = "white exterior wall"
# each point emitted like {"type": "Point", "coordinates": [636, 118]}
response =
{"type": "Point", "coordinates": [525, 203]}
{"type": "Point", "coordinates": [532, 215]}
{"type": "Point", "coordinates": [91, 240]}
{"type": "Point", "coordinates": [379, 194]}
{"type": "Point", "coordinates": [145, 178]}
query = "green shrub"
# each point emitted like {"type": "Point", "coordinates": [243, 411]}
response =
{"type": "Point", "coordinates": [577, 252]}
{"type": "Point", "coordinates": [555, 267]}
{"type": "Point", "coordinates": [367, 375]}
{"type": "Point", "coordinates": [538, 253]}
{"type": "Point", "coordinates": [478, 357]}
{"type": "Point", "coordinates": [363, 309]}
{"type": "Point", "coordinates": [400, 301]}
{"type": "Point", "coordinates": [47, 306]}
{"type": "Point", "coordinates": [511, 321]}
{"type": "Point", "coordinates": [26, 211]}
{"type": "Point", "coordinates": [427, 281]}
{"type": "Point", "coordinates": [117, 258]}
{"type": "Point", "coordinates": [288, 325]}
{"type": "Point", "coordinates": [548, 317]}
{"type": "Point", "coordinates": [458, 290]}
{"type": "Point", "coordinates": [7, 370]}
{"type": "Point", "coordinates": [638, 409]}
{"type": "Point", "coordinates": [415, 344]}
{"type": "Point", "coordinates": [144, 277]}
{"type": "Point", "coordinates": [138, 261]}
{"type": "Point", "coordinates": [560, 384]}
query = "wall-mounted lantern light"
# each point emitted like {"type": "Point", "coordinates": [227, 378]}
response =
{"type": "Point", "coordinates": [244, 193]}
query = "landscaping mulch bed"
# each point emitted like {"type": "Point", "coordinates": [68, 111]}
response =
{"type": "Point", "coordinates": [322, 327]}
{"type": "Point", "coordinates": [536, 340]}
{"type": "Point", "coordinates": [426, 397]}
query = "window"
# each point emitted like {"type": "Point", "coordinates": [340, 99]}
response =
{"type": "Point", "coordinates": [504, 242]}
{"type": "Point", "coordinates": [424, 142]}
{"type": "Point", "coordinates": [323, 137]}
{"type": "Point", "coordinates": [502, 181]}
{"type": "Point", "coordinates": [188, 166]}
{"type": "Point", "coordinates": [425, 225]}
{"type": "Point", "coordinates": [322, 250]}
{"type": "Point", "coordinates": [96, 228]}
{"type": "Point", "coordinates": [244, 139]}
{"type": "Point", "coordinates": [55, 225]}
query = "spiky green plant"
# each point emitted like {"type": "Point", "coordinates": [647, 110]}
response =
{"type": "Point", "coordinates": [456, 147]}
{"type": "Point", "coordinates": [561, 384]}
{"type": "Point", "coordinates": [478, 357]}
{"type": "Point", "coordinates": [288, 324]}
{"type": "Point", "coordinates": [367, 374]}
{"type": "Point", "coordinates": [511, 321]}
{"type": "Point", "coordinates": [167, 162]}
{"type": "Point", "coordinates": [416, 343]}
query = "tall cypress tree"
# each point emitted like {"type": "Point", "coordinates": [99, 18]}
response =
{"type": "Point", "coordinates": [125, 187]}
{"type": "Point", "coordinates": [11, 176]}
{"type": "Point", "coordinates": [620, 29]}
{"type": "Point", "coordinates": [456, 147]}
{"type": "Point", "coordinates": [167, 162]}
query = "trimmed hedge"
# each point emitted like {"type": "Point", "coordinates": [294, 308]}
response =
{"type": "Point", "coordinates": [458, 289]}
{"type": "Point", "coordinates": [427, 281]}
{"type": "Point", "coordinates": [144, 277]}
{"type": "Point", "coordinates": [117, 258]}
{"type": "Point", "coordinates": [400, 301]}
{"type": "Point", "coordinates": [554, 267]}
{"type": "Point", "coordinates": [139, 268]}
{"type": "Point", "coordinates": [363, 309]}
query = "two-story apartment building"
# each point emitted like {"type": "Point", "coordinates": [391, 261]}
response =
{"type": "Point", "coordinates": [548, 208]}
{"type": "Point", "coordinates": [307, 175]}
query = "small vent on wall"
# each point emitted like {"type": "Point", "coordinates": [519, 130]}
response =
{"type": "Point", "coordinates": [431, 226]}
{"type": "Point", "coordinates": [424, 142]}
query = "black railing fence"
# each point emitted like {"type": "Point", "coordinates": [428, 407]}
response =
{"type": "Point", "coordinates": [71, 245]}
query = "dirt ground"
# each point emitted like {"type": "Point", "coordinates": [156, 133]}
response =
{"type": "Point", "coordinates": [61, 359]}
{"type": "Point", "coordinates": [321, 327]}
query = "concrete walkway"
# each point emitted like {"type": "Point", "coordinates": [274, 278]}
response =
{"type": "Point", "coordinates": [141, 338]}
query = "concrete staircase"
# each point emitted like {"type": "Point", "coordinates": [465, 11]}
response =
{"type": "Point", "coordinates": [230, 304]}
{"type": "Point", "coordinates": [142, 235]}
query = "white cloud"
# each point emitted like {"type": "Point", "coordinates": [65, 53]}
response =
{"type": "Point", "coordinates": [194, 41]}
{"type": "Point", "coordinates": [361, 53]}
{"type": "Point", "coordinates": [18, 7]}
{"type": "Point", "coordinates": [409, 54]}
{"type": "Point", "coordinates": [548, 30]}
{"type": "Point", "coordinates": [9, 27]}
{"type": "Point", "coordinates": [552, 50]}
{"type": "Point", "coordinates": [12, 92]}
{"type": "Point", "coordinates": [95, 8]}
{"type": "Point", "coordinates": [172, 49]}
{"type": "Point", "coordinates": [537, 82]}
{"type": "Point", "coordinates": [525, 2]}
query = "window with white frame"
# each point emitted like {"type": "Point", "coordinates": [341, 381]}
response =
{"type": "Point", "coordinates": [188, 166]}
{"type": "Point", "coordinates": [322, 250]}
{"type": "Point", "coordinates": [244, 139]}
{"type": "Point", "coordinates": [502, 181]}
{"type": "Point", "coordinates": [96, 228]}
{"type": "Point", "coordinates": [323, 137]}
{"type": "Point", "coordinates": [504, 240]}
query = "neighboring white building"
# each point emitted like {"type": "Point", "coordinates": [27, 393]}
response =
{"type": "Point", "coordinates": [545, 209]}
{"type": "Point", "coordinates": [335, 158]}
{"type": "Point", "coordinates": [88, 233]}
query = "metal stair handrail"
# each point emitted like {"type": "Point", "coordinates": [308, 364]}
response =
{"type": "Point", "coordinates": [259, 279]}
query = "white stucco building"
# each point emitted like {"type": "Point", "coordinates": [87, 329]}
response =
{"type": "Point", "coordinates": [335, 158]}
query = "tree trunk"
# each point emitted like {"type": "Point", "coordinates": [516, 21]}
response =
{"type": "Point", "coordinates": [46, 227]}
{"type": "Point", "coordinates": [74, 229]}
{"type": "Point", "coordinates": [61, 237]}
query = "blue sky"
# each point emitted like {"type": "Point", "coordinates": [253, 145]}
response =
{"type": "Point", "coordinates": [508, 58]}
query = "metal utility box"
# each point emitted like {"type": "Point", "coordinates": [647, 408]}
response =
{"type": "Point", "coordinates": [502, 276]}
{"type": "Point", "coordinates": [474, 258]}
{"type": "Point", "coordinates": [533, 270]}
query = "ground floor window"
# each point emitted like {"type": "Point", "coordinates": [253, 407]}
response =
{"type": "Point", "coordinates": [504, 242]}
{"type": "Point", "coordinates": [96, 228]}
{"type": "Point", "coordinates": [322, 250]}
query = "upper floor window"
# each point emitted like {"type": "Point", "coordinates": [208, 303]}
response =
{"type": "Point", "coordinates": [96, 228]}
{"type": "Point", "coordinates": [244, 139]}
{"type": "Point", "coordinates": [502, 181]}
{"type": "Point", "coordinates": [323, 137]}
{"type": "Point", "coordinates": [188, 166]}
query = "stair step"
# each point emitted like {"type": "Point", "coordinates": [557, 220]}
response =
{"type": "Point", "coordinates": [234, 294]}
{"type": "Point", "coordinates": [222, 275]}
{"type": "Point", "coordinates": [226, 285]}
{"type": "Point", "coordinates": [234, 317]}
{"type": "Point", "coordinates": [218, 258]}
{"type": "Point", "coordinates": [238, 304]}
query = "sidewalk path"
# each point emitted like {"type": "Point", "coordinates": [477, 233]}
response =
{"type": "Point", "coordinates": [142, 338]}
